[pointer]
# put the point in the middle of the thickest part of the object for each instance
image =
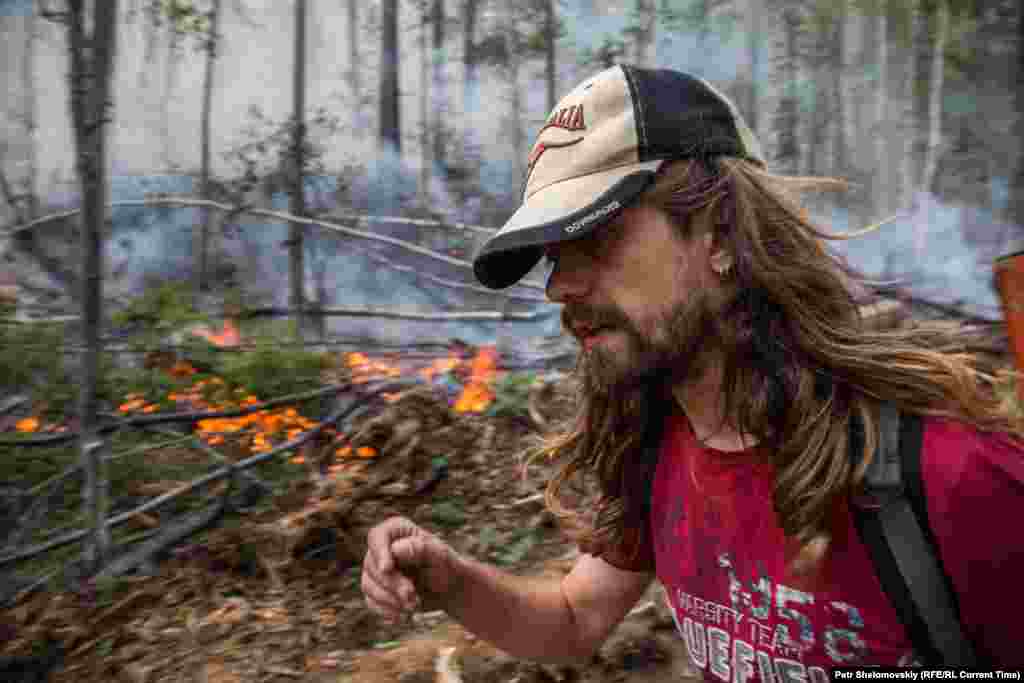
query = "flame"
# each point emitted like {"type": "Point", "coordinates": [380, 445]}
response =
{"type": "Point", "coordinates": [364, 370]}
{"type": "Point", "coordinates": [29, 424]}
{"type": "Point", "coordinates": [228, 336]}
{"type": "Point", "coordinates": [478, 393]}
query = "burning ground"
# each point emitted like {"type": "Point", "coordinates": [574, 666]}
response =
{"type": "Point", "coordinates": [271, 591]}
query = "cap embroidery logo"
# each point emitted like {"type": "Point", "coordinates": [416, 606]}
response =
{"type": "Point", "coordinates": [567, 118]}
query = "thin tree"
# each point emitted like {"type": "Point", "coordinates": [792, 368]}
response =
{"type": "Point", "coordinates": [550, 55]}
{"type": "Point", "coordinates": [202, 248]}
{"type": "Point", "coordinates": [390, 134]}
{"type": "Point", "coordinates": [470, 84]}
{"type": "Point", "coordinates": [91, 40]}
{"type": "Point", "coordinates": [353, 77]}
{"type": "Point", "coordinates": [1015, 210]}
{"type": "Point", "coordinates": [296, 269]}
{"type": "Point", "coordinates": [438, 85]}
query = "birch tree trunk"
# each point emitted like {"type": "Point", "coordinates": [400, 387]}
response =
{"type": "Point", "coordinates": [296, 247]}
{"type": "Point", "coordinates": [426, 64]}
{"type": "Point", "coordinates": [92, 46]}
{"type": "Point", "coordinates": [883, 171]}
{"type": "Point", "coordinates": [30, 114]}
{"type": "Point", "coordinates": [470, 85]}
{"type": "Point", "coordinates": [930, 19]}
{"type": "Point", "coordinates": [438, 87]}
{"type": "Point", "coordinates": [202, 246]}
{"type": "Point", "coordinates": [936, 141]}
{"type": "Point", "coordinates": [838, 108]}
{"type": "Point", "coordinates": [646, 16]}
{"type": "Point", "coordinates": [354, 81]}
{"type": "Point", "coordinates": [787, 151]}
{"type": "Point", "coordinates": [550, 56]}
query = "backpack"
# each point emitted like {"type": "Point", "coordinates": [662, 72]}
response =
{"type": "Point", "coordinates": [892, 520]}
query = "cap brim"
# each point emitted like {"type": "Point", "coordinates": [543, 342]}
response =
{"type": "Point", "coordinates": [567, 210]}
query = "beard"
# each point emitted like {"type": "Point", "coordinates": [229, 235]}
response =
{"type": "Point", "coordinates": [683, 340]}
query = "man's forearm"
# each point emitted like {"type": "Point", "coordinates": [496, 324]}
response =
{"type": "Point", "coordinates": [525, 616]}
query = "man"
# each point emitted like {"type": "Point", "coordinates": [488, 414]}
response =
{"type": "Point", "coordinates": [712, 319]}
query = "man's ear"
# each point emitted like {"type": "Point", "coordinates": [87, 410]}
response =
{"type": "Point", "coordinates": [720, 258]}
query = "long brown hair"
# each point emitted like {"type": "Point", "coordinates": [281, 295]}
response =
{"type": "Point", "coordinates": [799, 365]}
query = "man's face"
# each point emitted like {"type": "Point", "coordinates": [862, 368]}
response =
{"type": "Point", "coordinates": [636, 297]}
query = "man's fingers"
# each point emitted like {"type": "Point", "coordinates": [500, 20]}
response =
{"type": "Point", "coordinates": [379, 596]}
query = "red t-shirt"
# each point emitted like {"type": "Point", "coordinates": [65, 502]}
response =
{"type": "Point", "coordinates": [721, 556]}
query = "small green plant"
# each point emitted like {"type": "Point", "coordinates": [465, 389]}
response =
{"type": "Point", "coordinates": [511, 395]}
{"type": "Point", "coordinates": [448, 514]}
{"type": "Point", "coordinates": [271, 372]}
{"type": "Point", "coordinates": [161, 307]}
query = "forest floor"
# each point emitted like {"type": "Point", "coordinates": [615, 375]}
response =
{"type": "Point", "coordinates": [274, 594]}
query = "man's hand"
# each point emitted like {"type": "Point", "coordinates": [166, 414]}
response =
{"type": "Point", "coordinates": [406, 568]}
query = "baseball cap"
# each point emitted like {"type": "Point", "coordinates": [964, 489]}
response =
{"type": "Point", "coordinates": [599, 149]}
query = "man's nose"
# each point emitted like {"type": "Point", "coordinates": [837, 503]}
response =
{"type": "Point", "coordinates": [570, 279]}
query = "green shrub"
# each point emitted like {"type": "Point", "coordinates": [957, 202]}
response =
{"type": "Point", "coordinates": [511, 395]}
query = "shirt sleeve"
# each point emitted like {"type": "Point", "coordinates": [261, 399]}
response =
{"type": "Point", "coordinates": [974, 487]}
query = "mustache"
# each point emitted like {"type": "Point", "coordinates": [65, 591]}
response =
{"type": "Point", "coordinates": [593, 316]}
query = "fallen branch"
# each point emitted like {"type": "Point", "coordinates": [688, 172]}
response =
{"type": "Point", "coordinates": [165, 418]}
{"type": "Point", "coordinates": [168, 536]}
{"type": "Point", "coordinates": [341, 413]}
{"type": "Point", "coordinates": [402, 315]}
{"type": "Point", "coordinates": [12, 403]}
{"type": "Point", "coordinates": [197, 444]}
{"type": "Point", "coordinates": [280, 215]}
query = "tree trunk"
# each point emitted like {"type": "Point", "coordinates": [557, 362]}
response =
{"type": "Point", "coordinates": [938, 79]}
{"type": "Point", "coordinates": [645, 10]}
{"type": "Point", "coordinates": [354, 81]}
{"type": "Point", "coordinates": [438, 87]}
{"type": "Point", "coordinates": [839, 113]}
{"type": "Point", "coordinates": [92, 59]}
{"type": "Point", "coordinates": [755, 9]}
{"type": "Point", "coordinates": [883, 177]}
{"type": "Point", "coordinates": [426, 64]}
{"type": "Point", "coordinates": [550, 56]}
{"type": "Point", "coordinates": [469, 79]}
{"type": "Point", "coordinates": [202, 247]}
{"type": "Point", "coordinates": [296, 270]}
{"type": "Point", "coordinates": [1015, 207]}
{"type": "Point", "coordinates": [787, 113]}
{"type": "Point", "coordinates": [390, 126]}
{"type": "Point", "coordinates": [30, 114]}
{"type": "Point", "coordinates": [916, 124]}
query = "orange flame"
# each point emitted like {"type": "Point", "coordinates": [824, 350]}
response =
{"type": "Point", "coordinates": [29, 424]}
{"type": "Point", "coordinates": [228, 336]}
{"type": "Point", "coordinates": [477, 394]}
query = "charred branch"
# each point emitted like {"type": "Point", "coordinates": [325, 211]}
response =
{"type": "Point", "coordinates": [345, 411]}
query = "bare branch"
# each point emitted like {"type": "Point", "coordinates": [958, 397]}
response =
{"type": "Point", "coordinates": [356, 403]}
{"type": "Point", "coordinates": [147, 420]}
{"type": "Point", "coordinates": [289, 218]}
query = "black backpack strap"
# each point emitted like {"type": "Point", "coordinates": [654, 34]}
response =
{"type": "Point", "coordinates": [893, 523]}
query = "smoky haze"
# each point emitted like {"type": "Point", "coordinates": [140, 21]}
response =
{"type": "Point", "coordinates": [844, 80]}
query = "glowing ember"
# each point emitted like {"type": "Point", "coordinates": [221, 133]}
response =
{"type": "Point", "coordinates": [228, 336]}
{"type": "Point", "coordinates": [365, 370]}
{"type": "Point", "coordinates": [29, 424]}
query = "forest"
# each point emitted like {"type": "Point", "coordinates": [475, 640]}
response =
{"type": "Point", "coordinates": [239, 323]}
